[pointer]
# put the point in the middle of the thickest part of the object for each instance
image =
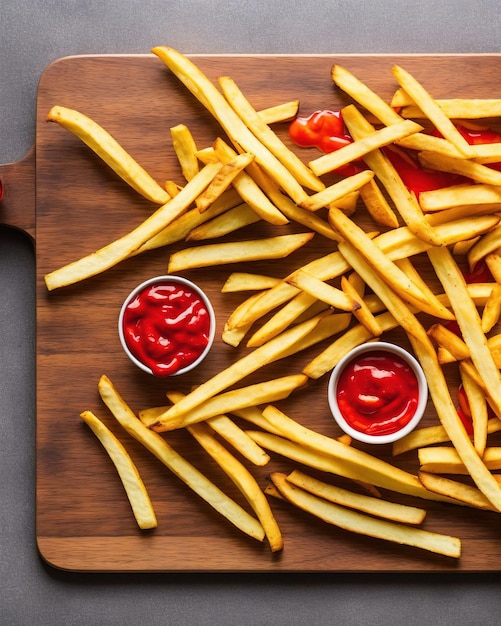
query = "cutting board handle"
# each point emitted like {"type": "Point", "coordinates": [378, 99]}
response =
{"type": "Point", "coordinates": [17, 206]}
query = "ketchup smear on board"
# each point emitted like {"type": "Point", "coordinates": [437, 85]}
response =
{"type": "Point", "coordinates": [325, 130]}
{"type": "Point", "coordinates": [166, 327]}
{"type": "Point", "coordinates": [377, 393]}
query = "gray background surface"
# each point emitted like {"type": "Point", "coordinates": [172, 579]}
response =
{"type": "Point", "coordinates": [33, 33]}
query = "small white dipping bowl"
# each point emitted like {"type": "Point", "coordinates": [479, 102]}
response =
{"type": "Point", "coordinates": [182, 282]}
{"type": "Point", "coordinates": [366, 348]}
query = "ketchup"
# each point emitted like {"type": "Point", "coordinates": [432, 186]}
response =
{"type": "Point", "coordinates": [325, 130]}
{"type": "Point", "coordinates": [377, 393]}
{"type": "Point", "coordinates": [166, 326]}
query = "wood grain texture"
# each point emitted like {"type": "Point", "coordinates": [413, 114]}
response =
{"type": "Point", "coordinates": [83, 520]}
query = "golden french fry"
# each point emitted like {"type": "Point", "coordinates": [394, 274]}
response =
{"type": "Point", "coordinates": [238, 217]}
{"type": "Point", "coordinates": [488, 244]}
{"type": "Point", "coordinates": [492, 309]}
{"type": "Point", "coordinates": [123, 247]}
{"type": "Point", "coordinates": [133, 484]}
{"type": "Point", "coordinates": [238, 439]}
{"type": "Point", "coordinates": [337, 191]}
{"type": "Point", "coordinates": [359, 523]}
{"type": "Point", "coordinates": [186, 472]}
{"type": "Point", "coordinates": [471, 496]}
{"type": "Point", "coordinates": [245, 281]}
{"type": "Point", "coordinates": [446, 460]}
{"type": "Point", "coordinates": [323, 291]}
{"type": "Point", "coordinates": [453, 108]}
{"type": "Point", "coordinates": [266, 135]}
{"type": "Point", "coordinates": [223, 180]}
{"type": "Point", "coordinates": [360, 147]}
{"type": "Point", "coordinates": [366, 504]}
{"type": "Point", "coordinates": [237, 251]}
{"type": "Point", "coordinates": [478, 407]}
{"type": "Point", "coordinates": [110, 151]}
{"type": "Point", "coordinates": [204, 90]}
{"type": "Point", "coordinates": [280, 112]}
{"type": "Point", "coordinates": [252, 395]}
{"type": "Point", "coordinates": [461, 195]}
{"type": "Point", "coordinates": [185, 149]}
{"type": "Point", "coordinates": [377, 205]}
{"type": "Point", "coordinates": [243, 479]}
{"type": "Point", "coordinates": [470, 169]}
{"type": "Point", "coordinates": [493, 262]}
{"type": "Point", "coordinates": [432, 110]}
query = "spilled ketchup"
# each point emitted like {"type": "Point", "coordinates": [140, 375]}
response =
{"type": "Point", "coordinates": [326, 131]}
{"type": "Point", "coordinates": [167, 327]}
{"type": "Point", "coordinates": [377, 393]}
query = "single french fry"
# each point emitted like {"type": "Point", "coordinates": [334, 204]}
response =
{"type": "Point", "coordinates": [123, 247]}
{"type": "Point", "coordinates": [245, 281]}
{"type": "Point", "coordinates": [323, 291]}
{"type": "Point", "coordinates": [488, 244]}
{"type": "Point", "coordinates": [432, 110]}
{"type": "Point", "coordinates": [266, 135]}
{"type": "Point", "coordinates": [243, 479]}
{"type": "Point", "coordinates": [280, 112]}
{"type": "Point", "coordinates": [461, 195]}
{"type": "Point", "coordinates": [366, 504]}
{"type": "Point", "coordinates": [135, 489]}
{"type": "Point", "coordinates": [446, 460]}
{"type": "Point", "coordinates": [337, 191]}
{"type": "Point", "coordinates": [276, 247]}
{"type": "Point", "coordinates": [377, 205]}
{"type": "Point", "coordinates": [234, 219]}
{"type": "Point", "coordinates": [360, 147]}
{"type": "Point", "coordinates": [478, 407]}
{"type": "Point", "coordinates": [186, 472]}
{"type": "Point", "coordinates": [471, 496]}
{"type": "Point", "coordinates": [110, 151]}
{"type": "Point", "coordinates": [186, 149]}
{"type": "Point", "coordinates": [493, 262]}
{"type": "Point", "coordinates": [492, 309]}
{"type": "Point", "coordinates": [453, 108]}
{"type": "Point", "coordinates": [470, 169]}
{"type": "Point", "coordinates": [359, 523]}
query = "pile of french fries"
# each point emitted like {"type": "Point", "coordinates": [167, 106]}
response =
{"type": "Point", "coordinates": [249, 175]}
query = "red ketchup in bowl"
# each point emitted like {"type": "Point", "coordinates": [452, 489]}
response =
{"type": "Point", "coordinates": [167, 325]}
{"type": "Point", "coordinates": [377, 392]}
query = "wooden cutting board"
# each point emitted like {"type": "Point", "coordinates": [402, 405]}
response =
{"type": "Point", "coordinates": [83, 519]}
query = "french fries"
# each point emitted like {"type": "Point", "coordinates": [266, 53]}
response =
{"type": "Point", "coordinates": [257, 178]}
